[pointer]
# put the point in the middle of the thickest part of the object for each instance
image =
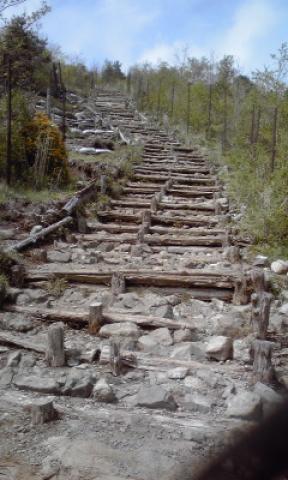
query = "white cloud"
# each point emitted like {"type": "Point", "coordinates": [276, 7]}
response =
{"type": "Point", "coordinates": [252, 21]}
{"type": "Point", "coordinates": [171, 53]}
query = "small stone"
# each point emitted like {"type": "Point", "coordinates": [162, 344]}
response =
{"type": "Point", "coordinates": [245, 405]}
{"type": "Point", "coordinates": [162, 336]}
{"type": "Point", "coordinates": [183, 335]}
{"type": "Point", "coordinates": [197, 403]}
{"type": "Point", "coordinates": [219, 348]}
{"type": "Point", "coordinates": [177, 373]}
{"type": "Point", "coordinates": [155, 397]}
{"type": "Point", "coordinates": [261, 261]}
{"type": "Point", "coordinates": [103, 392]}
{"type": "Point", "coordinates": [36, 229]}
{"type": "Point", "coordinates": [241, 350]}
{"type": "Point", "coordinates": [55, 256]}
{"type": "Point", "coordinates": [147, 343]}
{"type": "Point", "coordinates": [280, 267]}
{"type": "Point", "coordinates": [78, 384]}
{"type": "Point", "coordinates": [284, 309]}
{"type": "Point", "coordinates": [188, 350]}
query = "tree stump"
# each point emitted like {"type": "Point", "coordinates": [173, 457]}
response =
{"type": "Point", "coordinates": [118, 284]}
{"type": "Point", "coordinates": [18, 276]}
{"type": "Point", "coordinates": [115, 359]}
{"type": "Point", "coordinates": [42, 411]}
{"type": "Point", "coordinates": [95, 317]}
{"type": "Point", "coordinates": [55, 353]}
{"type": "Point", "coordinates": [262, 361]}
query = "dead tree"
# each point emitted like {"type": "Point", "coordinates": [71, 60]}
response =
{"type": "Point", "coordinates": [262, 361]}
{"type": "Point", "coordinates": [55, 353]}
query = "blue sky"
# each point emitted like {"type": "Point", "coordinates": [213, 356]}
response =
{"type": "Point", "coordinates": [135, 31]}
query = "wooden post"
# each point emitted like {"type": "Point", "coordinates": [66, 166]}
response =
{"type": "Point", "coordinates": [154, 204]}
{"type": "Point", "coordinates": [240, 296]}
{"type": "Point", "coordinates": [141, 235]}
{"type": "Point", "coordinates": [55, 354]}
{"type": "Point", "coordinates": [118, 284]}
{"type": "Point", "coordinates": [262, 361]}
{"type": "Point", "coordinates": [115, 359]}
{"type": "Point", "coordinates": [103, 184]}
{"type": "Point", "coordinates": [81, 222]}
{"type": "Point", "coordinates": [261, 302]}
{"type": "Point", "coordinates": [95, 317]}
{"type": "Point", "coordinates": [18, 276]}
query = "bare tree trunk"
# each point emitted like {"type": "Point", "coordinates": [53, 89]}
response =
{"type": "Point", "coordinates": [172, 101]}
{"type": "Point", "coordinates": [159, 99]}
{"type": "Point", "coordinates": [225, 114]}
{"type": "Point", "coordinates": [252, 131]}
{"type": "Point", "coordinates": [274, 139]}
{"type": "Point", "coordinates": [9, 123]}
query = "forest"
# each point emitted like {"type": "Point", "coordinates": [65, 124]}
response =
{"type": "Point", "coordinates": [240, 120]}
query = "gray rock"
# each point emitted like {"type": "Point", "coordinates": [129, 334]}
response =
{"type": "Point", "coordinates": [219, 348]}
{"type": "Point", "coordinates": [162, 336]}
{"type": "Point", "coordinates": [78, 384]}
{"type": "Point", "coordinates": [177, 373]}
{"type": "Point", "coordinates": [123, 329]}
{"type": "Point", "coordinates": [245, 405]}
{"type": "Point", "coordinates": [147, 343]}
{"type": "Point", "coordinates": [103, 392]}
{"type": "Point", "coordinates": [188, 351]}
{"type": "Point", "coordinates": [17, 322]}
{"type": "Point", "coordinates": [58, 257]}
{"type": "Point", "coordinates": [7, 233]}
{"type": "Point", "coordinates": [280, 267]}
{"type": "Point", "coordinates": [241, 350]}
{"type": "Point", "coordinates": [155, 397]}
{"type": "Point", "coordinates": [183, 335]}
{"type": "Point", "coordinates": [197, 403]}
{"type": "Point", "coordinates": [37, 384]}
{"type": "Point", "coordinates": [6, 376]}
{"type": "Point", "coordinates": [270, 399]}
{"type": "Point", "coordinates": [194, 383]}
{"type": "Point", "coordinates": [14, 359]}
{"type": "Point", "coordinates": [284, 309]}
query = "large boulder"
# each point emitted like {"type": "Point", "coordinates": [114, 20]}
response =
{"type": "Point", "coordinates": [162, 336]}
{"type": "Point", "coordinates": [280, 267]}
{"type": "Point", "coordinates": [219, 348]}
{"type": "Point", "coordinates": [245, 405]}
{"type": "Point", "coordinates": [155, 397]}
{"type": "Point", "coordinates": [123, 329]}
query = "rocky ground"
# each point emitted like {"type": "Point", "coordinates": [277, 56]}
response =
{"type": "Point", "coordinates": [174, 296]}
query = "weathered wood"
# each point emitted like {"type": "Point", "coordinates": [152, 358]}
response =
{"type": "Point", "coordinates": [55, 353]}
{"type": "Point", "coordinates": [95, 317]}
{"type": "Point", "coordinates": [262, 361]}
{"type": "Point", "coordinates": [240, 296]}
{"type": "Point", "coordinates": [103, 184]}
{"type": "Point", "coordinates": [83, 196]}
{"type": "Point", "coordinates": [261, 302]}
{"type": "Point", "coordinates": [118, 284]}
{"type": "Point", "coordinates": [115, 358]}
{"type": "Point", "coordinates": [42, 411]}
{"type": "Point", "coordinates": [33, 239]}
{"type": "Point", "coordinates": [18, 276]}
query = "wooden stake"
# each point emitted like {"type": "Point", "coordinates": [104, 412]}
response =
{"type": "Point", "coordinates": [95, 317]}
{"type": "Point", "coordinates": [55, 354]}
{"type": "Point", "coordinates": [262, 363]}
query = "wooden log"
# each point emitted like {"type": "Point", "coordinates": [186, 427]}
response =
{"type": "Point", "coordinates": [185, 180]}
{"type": "Point", "coordinates": [95, 317]}
{"type": "Point", "coordinates": [55, 354]}
{"type": "Point", "coordinates": [261, 302]}
{"type": "Point", "coordinates": [33, 239]}
{"type": "Point", "coordinates": [263, 370]}
{"type": "Point", "coordinates": [83, 196]}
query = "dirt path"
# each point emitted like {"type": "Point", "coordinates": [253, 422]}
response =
{"type": "Point", "coordinates": [157, 273]}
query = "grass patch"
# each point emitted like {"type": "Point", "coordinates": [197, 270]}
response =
{"type": "Point", "coordinates": [56, 286]}
{"type": "Point", "coordinates": [32, 196]}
